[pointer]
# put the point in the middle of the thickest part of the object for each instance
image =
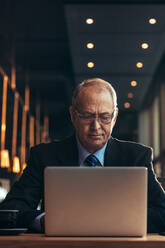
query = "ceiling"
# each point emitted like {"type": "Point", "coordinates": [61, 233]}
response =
{"type": "Point", "coordinates": [50, 40]}
{"type": "Point", "coordinates": [117, 33]}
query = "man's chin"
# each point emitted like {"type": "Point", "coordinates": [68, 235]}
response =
{"type": "Point", "coordinates": [95, 145]}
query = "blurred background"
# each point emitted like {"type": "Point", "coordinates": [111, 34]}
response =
{"type": "Point", "coordinates": [48, 46]}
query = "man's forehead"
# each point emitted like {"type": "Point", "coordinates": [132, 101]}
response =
{"type": "Point", "coordinates": [95, 100]}
{"type": "Point", "coordinates": [96, 88]}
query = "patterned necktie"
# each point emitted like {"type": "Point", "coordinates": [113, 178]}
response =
{"type": "Point", "coordinates": [92, 161]}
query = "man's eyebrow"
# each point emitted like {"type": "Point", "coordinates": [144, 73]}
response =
{"type": "Point", "coordinates": [102, 113]}
{"type": "Point", "coordinates": [87, 112]}
{"type": "Point", "coordinates": [106, 113]}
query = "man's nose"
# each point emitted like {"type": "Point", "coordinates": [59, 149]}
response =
{"type": "Point", "coordinates": [95, 124]}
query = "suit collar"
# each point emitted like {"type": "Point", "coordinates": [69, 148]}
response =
{"type": "Point", "coordinates": [112, 157]}
{"type": "Point", "coordinates": [68, 152]}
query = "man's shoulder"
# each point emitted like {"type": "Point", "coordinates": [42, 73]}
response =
{"type": "Point", "coordinates": [127, 153]}
{"type": "Point", "coordinates": [130, 145]}
{"type": "Point", "coordinates": [55, 144]}
{"type": "Point", "coordinates": [56, 152]}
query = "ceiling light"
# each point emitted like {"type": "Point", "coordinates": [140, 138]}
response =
{"type": "Point", "coordinates": [90, 64]}
{"type": "Point", "coordinates": [127, 105]}
{"type": "Point", "coordinates": [133, 83]}
{"type": "Point", "coordinates": [16, 164]}
{"type": "Point", "coordinates": [139, 64]}
{"type": "Point", "coordinates": [5, 160]}
{"type": "Point", "coordinates": [144, 45]}
{"type": "Point", "coordinates": [90, 45]}
{"type": "Point", "coordinates": [89, 21]}
{"type": "Point", "coordinates": [130, 95]}
{"type": "Point", "coordinates": [152, 21]}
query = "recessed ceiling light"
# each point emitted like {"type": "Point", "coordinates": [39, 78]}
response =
{"type": "Point", "coordinates": [133, 83]}
{"type": "Point", "coordinates": [90, 45]}
{"type": "Point", "coordinates": [89, 21]}
{"type": "Point", "coordinates": [144, 45]}
{"type": "Point", "coordinates": [152, 21]}
{"type": "Point", "coordinates": [90, 64]}
{"type": "Point", "coordinates": [139, 64]}
{"type": "Point", "coordinates": [127, 105]}
{"type": "Point", "coordinates": [130, 95]}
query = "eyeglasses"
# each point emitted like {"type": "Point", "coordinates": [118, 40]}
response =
{"type": "Point", "coordinates": [102, 118]}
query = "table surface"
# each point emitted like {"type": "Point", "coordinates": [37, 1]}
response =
{"type": "Point", "coordinates": [40, 240]}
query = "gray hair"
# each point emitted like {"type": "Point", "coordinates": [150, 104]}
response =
{"type": "Point", "coordinates": [93, 82]}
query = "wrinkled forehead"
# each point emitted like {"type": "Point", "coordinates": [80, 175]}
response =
{"type": "Point", "coordinates": [94, 90]}
{"type": "Point", "coordinates": [95, 96]}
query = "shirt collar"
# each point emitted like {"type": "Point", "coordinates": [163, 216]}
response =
{"type": "Point", "coordinates": [83, 153]}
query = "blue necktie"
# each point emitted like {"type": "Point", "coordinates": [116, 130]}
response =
{"type": "Point", "coordinates": [92, 161]}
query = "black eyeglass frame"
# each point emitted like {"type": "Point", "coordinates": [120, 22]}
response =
{"type": "Point", "coordinates": [102, 118]}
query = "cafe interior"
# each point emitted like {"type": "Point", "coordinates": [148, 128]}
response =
{"type": "Point", "coordinates": [48, 47]}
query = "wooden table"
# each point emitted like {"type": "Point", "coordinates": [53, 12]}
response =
{"type": "Point", "coordinates": [40, 241]}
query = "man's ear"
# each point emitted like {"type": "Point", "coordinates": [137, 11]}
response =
{"type": "Point", "coordinates": [115, 117]}
{"type": "Point", "coordinates": [72, 114]}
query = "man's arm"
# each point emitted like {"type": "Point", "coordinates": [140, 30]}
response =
{"type": "Point", "coordinates": [26, 193]}
{"type": "Point", "coordinates": [135, 154]}
{"type": "Point", "coordinates": [156, 200]}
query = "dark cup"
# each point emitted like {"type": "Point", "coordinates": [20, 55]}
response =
{"type": "Point", "coordinates": [8, 218]}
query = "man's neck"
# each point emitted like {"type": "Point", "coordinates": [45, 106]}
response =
{"type": "Point", "coordinates": [83, 153]}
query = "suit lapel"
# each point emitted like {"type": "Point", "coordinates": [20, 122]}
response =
{"type": "Point", "coordinates": [68, 152]}
{"type": "Point", "coordinates": [112, 154]}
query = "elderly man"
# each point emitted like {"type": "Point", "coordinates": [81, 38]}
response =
{"type": "Point", "coordinates": [93, 112]}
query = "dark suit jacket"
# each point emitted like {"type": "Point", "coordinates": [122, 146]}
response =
{"type": "Point", "coordinates": [29, 190]}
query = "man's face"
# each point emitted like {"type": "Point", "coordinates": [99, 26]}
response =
{"type": "Point", "coordinates": [93, 133]}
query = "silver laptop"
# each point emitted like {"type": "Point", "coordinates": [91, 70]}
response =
{"type": "Point", "coordinates": [86, 201]}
